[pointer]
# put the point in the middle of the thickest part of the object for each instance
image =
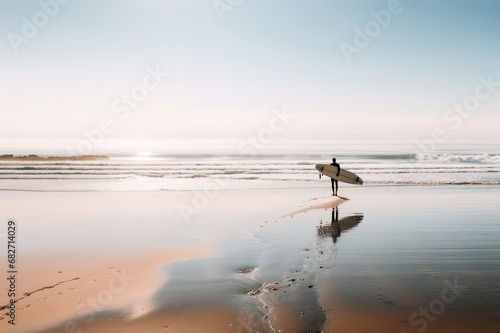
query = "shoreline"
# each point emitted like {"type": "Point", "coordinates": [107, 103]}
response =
{"type": "Point", "coordinates": [317, 187]}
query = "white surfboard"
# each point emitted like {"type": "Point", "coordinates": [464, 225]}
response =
{"type": "Point", "coordinates": [344, 175]}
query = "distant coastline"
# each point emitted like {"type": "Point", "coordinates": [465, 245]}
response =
{"type": "Point", "coordinates": [32, 157]}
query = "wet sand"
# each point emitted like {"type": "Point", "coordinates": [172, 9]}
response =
{"type": "Point", "coordinates": [402, 259]}
{"type": "Point", "coordinates": [53, 289]}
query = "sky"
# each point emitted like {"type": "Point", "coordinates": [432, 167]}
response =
{"type": "Point", "coordinates": [90, 76]}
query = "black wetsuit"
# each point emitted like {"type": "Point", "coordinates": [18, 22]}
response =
{"type": "Point", "coordinates": [334, 181]}
{"type": "Point", "coordinates": [338, 168]}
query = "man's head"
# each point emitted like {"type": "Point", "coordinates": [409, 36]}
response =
{"type": "Point", "coordinates": [334, 160]}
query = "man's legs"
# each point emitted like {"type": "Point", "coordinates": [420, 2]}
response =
{"type": "Point", "coordinates": [335, 186]}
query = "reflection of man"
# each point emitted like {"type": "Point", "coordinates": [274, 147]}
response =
{"type": "Point", "coordinates": [335, 183]}
{"type": "Point", "coordinates": [335, 229]}
{"type": "Point", "coordinates": [335, 224]}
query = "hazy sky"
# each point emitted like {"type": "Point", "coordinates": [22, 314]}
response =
{"type": "Point", "coordinates": [67, 67]}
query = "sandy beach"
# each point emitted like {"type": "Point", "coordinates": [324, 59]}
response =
{"type": "Point", "coordinates": [258, 261]}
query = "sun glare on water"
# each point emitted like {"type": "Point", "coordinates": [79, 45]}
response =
{"type": "Point", "coordinates": [143, 156]}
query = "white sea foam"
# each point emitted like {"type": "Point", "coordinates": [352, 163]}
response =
{"type": "Point", "coordinates": [447, 157]}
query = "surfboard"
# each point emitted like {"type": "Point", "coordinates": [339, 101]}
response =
{"type": "Point", "coordinates": [344, 175]}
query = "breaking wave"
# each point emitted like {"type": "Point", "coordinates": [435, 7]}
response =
{"type": "Point", "coordinates": [468, 158]}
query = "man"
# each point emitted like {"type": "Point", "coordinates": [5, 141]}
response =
{"type": "Point", "coordinates": [335, 183]}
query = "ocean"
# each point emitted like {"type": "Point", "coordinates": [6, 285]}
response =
{"type": "Point", "coordinates": [288, 168]}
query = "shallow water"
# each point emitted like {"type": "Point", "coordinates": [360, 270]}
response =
{"type": "Point", "coordinates": [395, 250]}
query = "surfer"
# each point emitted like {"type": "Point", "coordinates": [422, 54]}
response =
{"type": "Point", "coordinates": [335, 183]}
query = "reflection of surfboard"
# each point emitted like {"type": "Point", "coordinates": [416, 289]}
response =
{"type": "Point", "coordinates": [341, 226]}
{"type": "Point", "coordinates": [344, 175]}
